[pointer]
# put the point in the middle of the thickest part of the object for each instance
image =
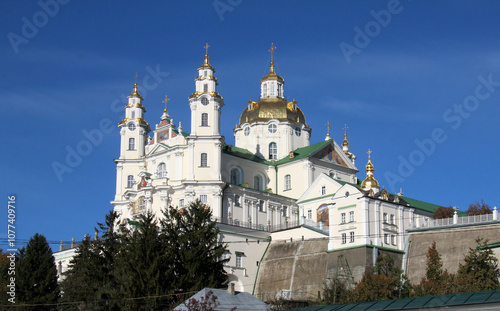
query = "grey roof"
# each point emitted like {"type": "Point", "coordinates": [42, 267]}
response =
{"type": "Point", "coordinates": [464, 301]}
{"type": "Point", "coordinates": [242, 301]}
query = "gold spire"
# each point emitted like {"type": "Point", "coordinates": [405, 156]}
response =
{"type": "Point", "coordinates": [205, 63]}
{"type": "Point", "coordinates": [327, 130]}
{"type": "Point", "coordinates": [272, 56]}
{"type": "Point", "coordinates": [370, 182]}
{"type": "Point", "coordinates": [272, 75]}
{"type": "Point", "coordinates": [136, 89]}
{"type": "Point", "coordinates": [345, 143]}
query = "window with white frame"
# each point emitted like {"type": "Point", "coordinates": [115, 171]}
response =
{"type": "Point", "coordinates": [237, 200]}
{"type": "Point", "coordinates": [344, 238]}
{"type": "Point", "coordinates": [257, 182]}
{"type": "Point", "coordinates": [309, 214]}
{"type": "Point", "coordinates": [386, 218]}
{"type": "Point", "coordinates": [239, 259]}
{"type": "Point", "coordinates": [342, 218]}
{"type": "Point", "coordinates": [161, 170]}
{"type": "Point", "coordinates": [273, 151]}
{"type": "Point", "coordinates": [285, 211]}
{"type": "Point", "coordinates": [205, 88]}
{"type": "Point", "coordinates": [271, 90]}
{"type": "Point", "coordinates": [393, 219]}
{"type": "Point", "coordinates": [181, 202]}
{"type": "Point", "coordinates": [351, 216]}
{"type": "Point", "coordinates": [235, 176]}
{"type": "Point", "coordinates": [386, 238]}
{"type": "Point", "coordinates": [131, 144]}
{"type": "Point", "coordinates": [288, 182]}
{"type": "Point", "coordinates": [323, 190]}
{"type": "Point", "coordinates": [204, 101]}
{"type": "Point", "coordinates": [262, 207]}
{"type": "Point", "coordinates": [141, 204]}
{"type": "Point", "coordinates": [130, 181]}
{"type": "Point", "coordinates": [393, 239]}
{"type": "Point", "coordinates": [264, 90]}
{"type": "Point", "coordinates": [203, 160]}
{"type": "Point", "coordinates": [272, 128]}
{"type": "Point", "coordinates": [204, 119]}
{"type": "Point", "coordinates": [204, 73]}
{"type": "Point", "coordinates": [351, 236]}
{"type": "Point", "coordinates": [203, 198]}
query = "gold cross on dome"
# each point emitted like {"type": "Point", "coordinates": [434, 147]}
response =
{"type": "Point", "coordinates": [272, 50]}
{"type": "Point", "coordinates": [206, 48]}
{"type": "Point", "coordinates": [328, 127]}
{"type": "Point", "coordinates": [166, 101]}
{"type": "Point", "coordinates": [345, 128]}
{"type": "Point", "coordinates": [369, 153]}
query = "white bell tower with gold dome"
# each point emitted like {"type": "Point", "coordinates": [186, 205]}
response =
{"type": "Point", "coordinates": [133, 128]}
{"type": "Point", "coordinates": [272, 127]}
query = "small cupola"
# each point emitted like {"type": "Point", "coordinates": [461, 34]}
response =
{"type": "Point", "coordinates": [271, 85]}
{"type": "Point", "coordinates": [370, 183]}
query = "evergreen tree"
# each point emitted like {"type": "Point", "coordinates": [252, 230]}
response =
{"type": "Point", "coordinates": [436, 281]}
{"type": "Point", "coordinates": [192, 237]}
{"type": "Point", "coordinates": [386, 281]}
{"type": "Point", "coordinates": [480, 269]}
{"type": "Point", "coordinates": [142, 265]}
{"type": "Point", "coordinates": [36, 281]}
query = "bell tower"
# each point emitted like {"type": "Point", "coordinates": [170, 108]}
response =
{"type": "Point", "coordinates": [205, 102]}
{"type": "Point", "coordinates": [133, 128]}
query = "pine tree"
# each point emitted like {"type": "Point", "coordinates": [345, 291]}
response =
{"type": "Point", "coordinates": [36, 281]}
{"type": "Point", "coordinates": [436, 281]}
{"type": "Point", "coordinates": [142, 265]}
{"type": "Point", "coordinates": [197, 253]}
{"type": "Point", "coordinates": [480, 269]}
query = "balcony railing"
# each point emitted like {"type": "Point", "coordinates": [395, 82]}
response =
{"type": "Point", "coordinates": [455, 220]}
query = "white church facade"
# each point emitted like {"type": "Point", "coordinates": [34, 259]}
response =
{"type": "Point", "coordinates": [272, 184]}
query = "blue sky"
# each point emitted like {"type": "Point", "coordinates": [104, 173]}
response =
{"type": "Point", "coordinates": [417, 82]}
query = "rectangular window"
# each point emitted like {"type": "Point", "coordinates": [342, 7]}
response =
{"type": "Point", "coordinates": [203, 198]}
{"type": "Point", "coordinates": [393, 219]}
{"type": "Point", "coordinates": [351, 237]}
{"type": "Point", "coordinates": [344, 238]}
{"type": "Point", "coordinates": [342, 218]}
{"type": "Point", "coordinates": [309, 214]}
{"type": "Point", "coordinates": [239, 259]}
{"type": "Point", "coordinates": [323, 190]}
{"type": "Point", "coordinates": [130, 181]}
{"type": "Point", "coordinates": [262, 208]}
{"type": "Point", "coordinates": [386, 238]}
{"type": "Point", "coordinates": [386, 218]}
{"type": "Point", "coordinates": [205, 73]}
{"type": "Point", "coordinates": [351, 216]}
{"type": "Point", "coordinates": [204, 160]}
{"type": "Point", "coordinates": [204, 119]}
{"type": "Point", "coordinates": [285, 211]}
{"type": "Point", "coordinates": [288, 182]}
{"type": "Point", "coordinates": [181, 202]}
{"type": "Point", "coordinates": [393, 239]}
{"type": "Point", "coordinates": [205, 88]}
{"type": "Point", "coordinates": [131, 144]}
{"type": "Point", "coordinates": [237, 200]}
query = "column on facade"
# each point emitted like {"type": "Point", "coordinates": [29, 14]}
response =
{"type": "Point", "coordinates": [365, 220]}
{"type": "Point", "coordinates": [401, 229]}
{"type": "Point", "coordinates": [230, 212]}
{"type": "Point", "coordinates": [191, 160]}
{"type": "Point", "coordinates": [270, 211]}
{"type": "Point", "coordinates": [119, 177]}
{"type": "Point", "coordinates": [256, 213]}
{"type": "Point", "coordinates": [217, 205]}
{"type": "Point", "coordinates": [278, 216]}
{"type": "Point", "coordinates": [378, 231]}
{"type": "Point", "coordinates": [245, 210]}
{"type": "Point", "coordinates": [331, 232]}
{"type": "Point", "coordinates": [217, 161]}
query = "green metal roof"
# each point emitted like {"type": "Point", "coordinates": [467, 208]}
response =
{"type": "Point", "coordinates": [438, 301]}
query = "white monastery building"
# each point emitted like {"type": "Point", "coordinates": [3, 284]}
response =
{"type": "Point", "coordinates": [272, 184]}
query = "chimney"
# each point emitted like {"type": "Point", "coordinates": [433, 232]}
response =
{"type": "Point", "coordinates": [230, 289]}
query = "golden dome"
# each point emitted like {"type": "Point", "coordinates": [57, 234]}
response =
{"type": "Point", "coordinates": [370, 183]}
{"type": "Point", "coordinates": [272, 75]}
{"type": "Point", "coordinates": [136, 92]}
{"type": "Point", "coordinates": [273, 108]}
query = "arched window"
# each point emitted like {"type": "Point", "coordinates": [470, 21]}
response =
{"type": "Point", "coordinates": [204, 119]}
{"type": "Point", "coordinates": [271, 93]}
{"type": "Point", "coordinates": [204, 101]}
{"type": "Point", "coordinates": [131, 144]}
{"type": "Point", "coordinates": [236, 177]}
{"type": "Point", "coordinates": [273, 151]}
{"type": "Point", "coordinates": [161, 171]}
{"type": "Point", "coordinates": [130, 181]}
{"type": "Point", "coordinates": [203, 160]}
{"type": "Point", "coordinates": [264, 90]}
{"type": "Point", "coordinates": [257, 182]}
{"type": "Point", "coordinates": [288, 182]}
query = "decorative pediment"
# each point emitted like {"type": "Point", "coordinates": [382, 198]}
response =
{"type": "Point", "coordinates": [329, 154]}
